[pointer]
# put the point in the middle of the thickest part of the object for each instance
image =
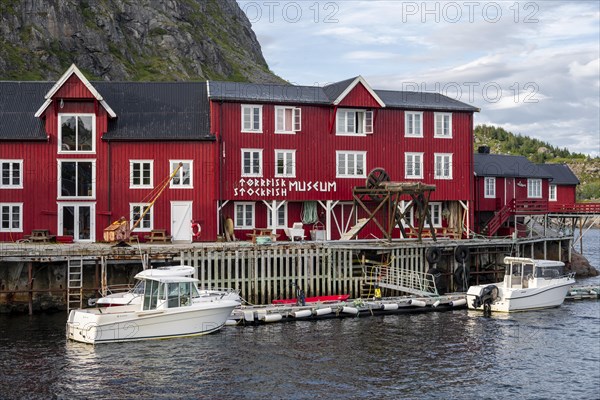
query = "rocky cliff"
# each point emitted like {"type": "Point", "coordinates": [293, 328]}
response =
{"type": "Point", "coordinates": [130, 40]}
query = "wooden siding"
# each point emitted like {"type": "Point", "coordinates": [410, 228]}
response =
{"type": "Point", "coordinates": [360, 97]}
{"type": "Point", "coordinates": [565, 196]}
{"type": "Point", "coordinates": [73, 88]}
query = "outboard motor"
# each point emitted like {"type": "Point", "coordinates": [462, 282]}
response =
{"type": "Point", "coordinates": [486, 297]}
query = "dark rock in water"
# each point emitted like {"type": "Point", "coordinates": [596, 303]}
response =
{"type": "Point", "coordinates": [128, 40]}
{"type": "Point", "coordinates": [581, 266]}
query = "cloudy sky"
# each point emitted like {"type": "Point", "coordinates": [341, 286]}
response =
{"type": "Point", "coordinates": [533, 67]}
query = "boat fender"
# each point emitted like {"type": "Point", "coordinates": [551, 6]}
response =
{"type": "Point", "coordinates": [437, 303]}
{"type": "Point", "coordinates": [196, 230]}
{"type": "Point", "coordinates": [323, 311]}
{"type": "Point", "coordinates": [433, 255]}
{"type": "Point", "coordinates": [389, 306]}
{"type": "Point", "coordinates": [231, 322]}
{"type": "Point", "coordinates": [272, 317]}
{"type": "Point", "coordinates": [417, 303]}
{"type": "Point", "coordinates": [458, 303]}
{"type": "Point", "coordinates": [350, 310]}
{"type": "Point", "coordinates": [302, 313]}
{"type": "Point", "coordinates": [461, 253]}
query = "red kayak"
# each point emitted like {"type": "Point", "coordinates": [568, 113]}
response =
{"type": "Point", "coordinates": [317, 299]}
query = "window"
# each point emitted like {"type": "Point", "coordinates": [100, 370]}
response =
{"type": "Point", "coordinates": [11, 217]}
{"type": "Point", "coordinates": [136, 211]}
{"type": "Point", "coordinates": [77, 220]}
{"type": "Point", "coordinates": [351, 164]}
{"type": "Point", "coordinates": [140, 172]}
{"type": "Point", "coordinates": [443, 125]}
{"type": "Point", "coordinates": [443, 166]}
{"type": "Point", "coordinates": [409, 215]}
{"type": "Point", "coordinates": [435, 210]}
{"type": "Point", "coordinates": [252, 162]}
{"type": "Point", "coordinates": [285, 163]}
{"type": "Point", "coordinates": [281, 215]}
{"type": "Point", "coordinates": [534, 188]}
{"type": "Point", "coordinates": [353, 122]}
{"type": "Point", "coordinates": [413, 124]}
{"type": "Point", "coordinates": [288, 119]}
{"type": "Point", "coordinates": [244, 215]}
{"type": "Point", "coordinates": [413, 165]}
{"type": "Point", "coordinates": [77, 179]}
{"type": "Point", "coordinates": [552, 196]}
{"type": "Point", "coordinates": [251, 118]}
{"type": "Point", "coordinates": [489, 189]}
{"type": "Point", "coordinates": [12, 174]}
{"type": "Point", "coordinates": [76, 133]}
{"type": "Point", "coordinates": [183, 177]}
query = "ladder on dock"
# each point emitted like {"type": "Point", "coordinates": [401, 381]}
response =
{"type": "Point", "coordinates": [74, 283]}
{"type": "Point", "coordinates": [413, 282]}
{"type": "Point", "coordinates": [354, 230]}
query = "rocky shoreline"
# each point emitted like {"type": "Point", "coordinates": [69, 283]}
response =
{"type": "Point", "coordinates": [581, 266]}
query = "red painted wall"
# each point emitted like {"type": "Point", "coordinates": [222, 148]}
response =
{"type": "Point", "coordinates": [359, 96]}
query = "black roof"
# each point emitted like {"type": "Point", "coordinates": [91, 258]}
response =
{"type": "Point", "coordinates": [271, 93]}
{"type": "Point", "coordinates": [18, 103]}
{"type": "Point", "coordinates": [501, 165]}
{"type": "Point", "coordinates": [561, 174]}
{"type": "Point", "coordinates": [145, 110]}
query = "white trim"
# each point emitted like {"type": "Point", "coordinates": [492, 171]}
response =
{"type": "Point", "coordinates": [258, 174]}
{"type": "Point", "coordinates": [530, 186]}
{"type": "Point", "coordinates": [76, 205]}
{"type": "Point", "coordinates": [290, 174]}
{"type": "Point", "coordinates": [552, 196]}
{"type": "Point", "coordinates": [10, 204]}
{"type": "Point", "coordinates": [279, 205]}
{"type": "Point", "coordinates": [235, 216]}
{"type": "Point", "coordinates": [436, 134]}
{"type": "Point", "coordinates": [260, 118]}
{"type": "Point", "coordinates": [435, 166]}
{"type": "Point", "coordinates": [173, 165]}
{"type": "Point", "coordinates": [357, 80]}
{"type": "Point", "coordinates": [432, 205]}
{"type": "Point", "coordinates": [59, 180]}
{"type": "Point", "coordinates": [296, 115]}
{"type": "Point", "coordinates": [132, 221]}
{"type": "Point", "coordinates": [491, 195]}
{"type": "Point", "coordinates": [421, 166]}
{"type": "Point", "coordinates": [366, 130]}
{"type": "Point", "coordinates": [73, 70]}
{"type": "Point", "coordinates": [346, 153]}
{"type": "Point", "coordinates": [10, 185]}
{"type": "Point", "coordinates": [141, 186]}
{"type": "Point", "coordinates": [59, 130]}
{"type": "Point", "coordinates": [413, 135]}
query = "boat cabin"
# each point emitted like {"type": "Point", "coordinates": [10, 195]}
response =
{"type": "Point", "coordinates": [169, 292]}
{"type": "Point", "coordinates": [522, 273]}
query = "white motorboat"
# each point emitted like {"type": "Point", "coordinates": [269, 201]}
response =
{"type": "Point", "coordinates": [528, 284]}
{"type": "Point", "coordinates": [171, 306]}
{"type": "Point", "coordinates": [136, 294]}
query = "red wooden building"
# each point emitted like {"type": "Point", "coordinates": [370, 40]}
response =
{"type": "Point", "coordinates": [76, 156]}
{"type": "Point", "coordinates": [293, 154]}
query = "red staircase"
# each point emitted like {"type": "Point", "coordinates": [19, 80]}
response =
{"type": "Point", "coordinates": [501, 216]}
{"type": "Point", "coordinates": [515, 207]}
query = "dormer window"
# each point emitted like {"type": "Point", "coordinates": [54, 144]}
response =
{"type": "Point", "coordinates": [76, 133]}
{"type": "Point", "coordinates": [354, 122]}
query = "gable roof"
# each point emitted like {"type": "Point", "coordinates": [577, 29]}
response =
{"type": "Point", "coordinates": [561, 174]}
{"type": "Point", "coordinates": [74, 70]}
{"type": "Point", "coordinates": [145, 110]}
{"type": "Point", "coordinates": [500, 165]}
{"type": "Point", "coordinates": [330, 95]}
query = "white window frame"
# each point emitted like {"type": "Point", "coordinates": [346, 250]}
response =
{"type": "Point", "coordinates": [441, 134]}
{"type": "Point", "coordinates": [408, 220]}
{"type": "Point", "coordinates": [412, 126]}
{"type": "Point", "coordinates": [413, 164]}
{"type": "Point", "coordinates": [345, 161]}
{"type": "Point", "coordinates": [439, 166]}
{"type": "Point", "coordinates": [534, 188]}
{"type": "Point", "coordinates": [280, 208]}
{"type": "Point", "coordinates": [252, 174]}
{"type": "Point", "coordinates": [187, 165]}
{"type": "Point", "coordinates": [245, 204]}
{"type": "Point", "coordinates": [132, 184]}
{"type": "Point", "coordinates": [11, 184]}
{"type": "Point", "coordinates": [77, 206]}
{"type": "Point", "coordinates": [289, 166]}
{"type": "Point", "coordinates": [436, 219]}
{"type": "Point", "coordinates": [342, 126]}
{"type": "Point", "coordinates": [296, 122]}
{"type": "Point", "coordinates": [59, 180]}
{"type": "Point", "coordinates": [250, 127]}
{"type": "Point", "coordinates": [489, 187]}
{"type": "Point", "coordinates": [59, 130]}
{"type": "Point", "coordinates": [149, 214]}
{"type": "Point", "coordinates": [10, 220]}
{"type": "Point", "coordinates": [552, 192]}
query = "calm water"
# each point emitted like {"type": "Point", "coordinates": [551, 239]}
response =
{"type": "Point", "coordinates": [548, 354]}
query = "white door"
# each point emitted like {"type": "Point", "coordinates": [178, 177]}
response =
{"type": "Point", "coordinates": [181, 221]}
{"type": "Point", "coordinates": [77, 220]}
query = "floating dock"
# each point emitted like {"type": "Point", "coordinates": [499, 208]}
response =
{"type": "Point", "coordinates": [583, 293]}
{"type": "Point", "coordinates": [354, 308]}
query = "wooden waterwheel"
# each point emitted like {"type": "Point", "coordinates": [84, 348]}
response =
{"type": "Point", "coordinates": [374, 179]}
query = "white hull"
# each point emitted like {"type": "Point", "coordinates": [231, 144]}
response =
{"type": "Point", "coordinates": [127, 323]}
{"type": "Point", "coordinates": [513, 300]}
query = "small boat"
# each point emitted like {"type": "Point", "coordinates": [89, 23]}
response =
{"type": "Point", "coordinates": [171, 306]}
{"type": "Point", "coordinates": [528, 284]}
{"type": "Point", "coordinates": [316, 299]}
{"type": "Point", "coordinates": [135, 294]}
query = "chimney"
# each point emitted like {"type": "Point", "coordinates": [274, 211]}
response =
{"type": "Point", "coordinates": [483, 150]}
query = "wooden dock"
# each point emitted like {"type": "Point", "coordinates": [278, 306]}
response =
{"type": "Point", "coordinates": [583, 293]}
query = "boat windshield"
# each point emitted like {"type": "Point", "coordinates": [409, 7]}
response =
{"type": "Point", "coordinates": [548, 272]}
{"type": "Point", "coordinates": [179, 294]}
{"type": "Point", "coordinates": [150, 294]}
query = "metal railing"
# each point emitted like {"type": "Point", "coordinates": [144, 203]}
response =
{"type": "Point", "coordinates": [419, 283]}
